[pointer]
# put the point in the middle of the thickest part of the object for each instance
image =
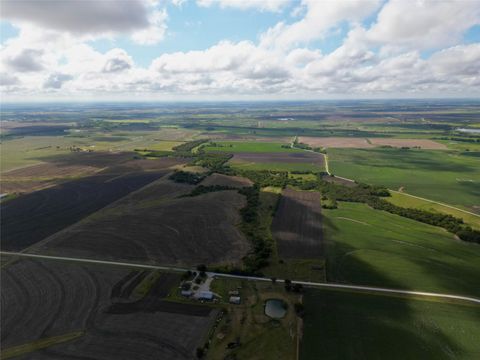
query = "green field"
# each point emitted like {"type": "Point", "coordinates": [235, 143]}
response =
{"type": "Point", "coordinates": [403, 200]}
{"type": "Point", "coordinates": [276, 166]}
{"type": "Point", "coordinates": [249, 146]}
{"type": "Point", "coordinates": [372, 247]}
{"type": "Point", "coordinates": [445, 176]}
{"type": "Point", "coordinates": [342, 325]}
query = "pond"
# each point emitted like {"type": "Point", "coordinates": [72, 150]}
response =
{"type": "Point", "coordinates": [275, 308]}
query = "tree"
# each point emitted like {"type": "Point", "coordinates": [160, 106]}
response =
{"type": "Point", "coordinates": [274, 280]}
{"type": "Point", "coordinates": [200, 352]}
{"type": "Point", "coordinates": [288, 284]}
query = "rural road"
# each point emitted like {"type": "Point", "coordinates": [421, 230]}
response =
{"type": "Point", "coordinates": [253, 278]}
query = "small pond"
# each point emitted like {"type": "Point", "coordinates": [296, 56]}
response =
{"type": "Point", "coordinates": [275, 308]}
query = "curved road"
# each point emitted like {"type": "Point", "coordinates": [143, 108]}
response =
{"type": "Point", "coordinates": [253, 278]}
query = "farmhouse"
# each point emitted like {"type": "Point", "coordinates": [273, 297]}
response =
{"type": "Point", "coordinates": [234, 300]}
{"type": "Point", "coordinates": [205, 295]}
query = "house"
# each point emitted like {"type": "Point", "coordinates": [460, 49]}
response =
{"type": "Point", "coordinates": [205, 295]}
{"type": "Point", "coordinates": [234, 300]}
{"type": "Point", "coordinates": [186, 293]}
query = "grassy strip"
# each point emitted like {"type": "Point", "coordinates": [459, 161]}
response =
{"type": "Point", "coordinates": [39, 344]}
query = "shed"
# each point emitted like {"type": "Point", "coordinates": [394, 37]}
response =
{"type": "Point", "coordinates": [234, 300]}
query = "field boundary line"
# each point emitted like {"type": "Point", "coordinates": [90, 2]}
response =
{"type": "Point", "coordinates": [253, 278]}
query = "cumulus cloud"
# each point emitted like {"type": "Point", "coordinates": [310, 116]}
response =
{"type": "Point", "coordinates": [117, 61]}
{"type": "Point", "coordinates": [262, 5]}
{"type": "Point", "coordinates": [91, 18]}
{"type": "Point", "coordinates": [424, 24]}
{"type": "Point", "coordinates": [79, 17]}
{"type": "Point", "coordinates": [384, 59]}
{"type": "Point", "coordinates": [56, 81]}
{"type": "Point", "coordinates": [27, 60]}
{"type": "Point", "coordinates": [320, 17]}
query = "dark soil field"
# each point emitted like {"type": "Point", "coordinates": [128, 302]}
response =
{"type": "Point", "coordinates": [32, 217]}
{"type": "Point", "coordinates": [297, 225]}
{"type": "Point", "coordinates": [156, 226]}
{"type": "Point", "coordinates": [300, 157]}
{"type": "Point", "coordinates": [42, 299]}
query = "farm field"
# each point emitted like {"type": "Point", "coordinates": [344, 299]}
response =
{"type": "Point", "coordinates": [45, 302]}
{"type": "Point", "coordinates": [32, 217]}
{"type": "Point", "coordinates": [305, 161]}
{"type": "Point", "coordinates": [155, 226]}
{"type": "Point", "coordinates": [371, 247]}
{"type": "Point", "coordinates": [403, 200]}
{"type": "Point", "coordinates": [297, 225]}
{"type": "Point", "coordinates": [362, 326]}
{"type": "Point", "coordinates": [250, 147]}
{"type": "Point", "coordinates": [449, 177]}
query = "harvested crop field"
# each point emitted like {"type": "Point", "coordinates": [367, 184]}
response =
{"type": "Point", "coordinates": [32, 217]}
{"type": "Point", "coordinates": [301, 157]}
{"type": "Point", "coordinates": [297, 225]}
{"type": "Point", "coordinates": [225, 180]}
{"type": "Point", "coordinates": [335, 142]}
{"type": "Point", "coordinates": [346, 142]}
{"type": "Point", "coordinates": [422, 143]}
{"type": "Point", "coordinates": [42, 299]}
{"type": "Point", "coordinates": [158, 227]}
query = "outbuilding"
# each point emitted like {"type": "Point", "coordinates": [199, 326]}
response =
{"type": "Point", "coordinates": [234, 300]}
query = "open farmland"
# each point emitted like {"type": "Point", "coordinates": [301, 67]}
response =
{"type": "Point", "coordinates": [449, 177]}
{"type": "Point", "coordinates": [342, 325]}
{"type": "Point", "coordinates": [32, 217]}
{"type": "Point", "coordinates": [250, 147]}
{"type": "Point", "coordinates": [403, 200]}
{"type": "Point", "coordinates": [154, 225]}
{"type": "Point", "coordinates": [303, 161]}
{"type": "Point", "coordinates": [297, 225]}
{"type": "Point", "coordinates": [46, 301]}
{"type": "Point", "coordinates": [355, 142]}
{"type": "Point", "coordinates": [372, 247]}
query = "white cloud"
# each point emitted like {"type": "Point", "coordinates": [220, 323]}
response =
{"type": "Point", "coordinates": [117, 61]}
{"type": "Point", "coordinates": [79, 17]}
{"type": "Point", "coordinates": [90, 19]}
{"type": "Point", "coordinates": [320, 17]}
{"type": "Point", "coordinates": [424, 24]}
{"type": "Point", "coordinates": [155, 32]}
{"type": "Point", "coordinates": [262, 5]}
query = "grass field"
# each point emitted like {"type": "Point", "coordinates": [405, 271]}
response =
{"type": "Point", "coordinates": [443, 176]}
{"type": "Point", "coordinates": [411, 202]}
{"type": "Point", "coordinates": [277, 166]}
{"type": "Point", "coordinates": [342, 325]}
{"type": "Point", "coordinates": [249, 146]}
{"type": "Point", "coordinates": [371, 247]}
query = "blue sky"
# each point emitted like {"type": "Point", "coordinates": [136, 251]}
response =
{"type": "Point", "coordinates": [249, 48]}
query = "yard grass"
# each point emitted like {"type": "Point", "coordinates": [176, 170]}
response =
{"type": "Point", "coordinates": [260, 337]}
{"type": "Point", "coordinates": [343, 325]}
{"type": "Point", "coordinates": [403, 200]}
{"type": "Point", "coordinates": [372, 247]}
{"type": "Point", "coordinates": [249, 147]}
{"type": "Point", "coordinates": [445, 176]}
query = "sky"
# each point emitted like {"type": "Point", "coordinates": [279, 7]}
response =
{"type": "Point", "coordinates": [238, 49]}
